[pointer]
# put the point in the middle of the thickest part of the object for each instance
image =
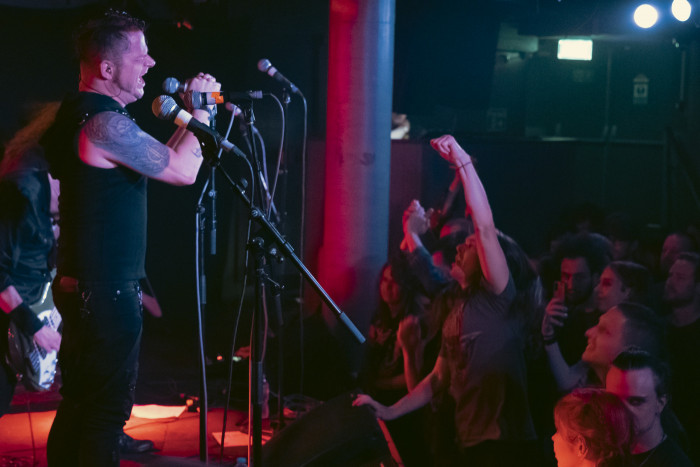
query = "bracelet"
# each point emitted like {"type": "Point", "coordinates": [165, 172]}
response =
{"type": "Point", "coordinates": [457, 167]}
{"type": "Point", "coordinates": [25, 319]}
{"type": "Point", "coordinates": [549, 340]}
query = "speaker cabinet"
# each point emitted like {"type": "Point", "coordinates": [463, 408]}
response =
{"type": "Point", "coordinates": [333, 434]}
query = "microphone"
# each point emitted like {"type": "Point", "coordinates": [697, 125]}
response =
{"type": "Point", "coordinates": [265, 66]}
{"type": "Point", "coordinates": [165, 108]}
{"type": "Point", "coordinates": [199, 100]}
{"type": "Point", "coordinates": [231, 107]}
{"type": "Point", "coordinates": [172, 85]}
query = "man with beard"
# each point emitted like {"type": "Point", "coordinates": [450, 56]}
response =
{"type": "Point", "coordinates": [682, 294]}
{"type": "Point", "coordinates": [573, 311]}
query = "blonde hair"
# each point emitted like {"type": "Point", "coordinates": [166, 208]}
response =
{"type": "Point", "coordinates": [28, 136]}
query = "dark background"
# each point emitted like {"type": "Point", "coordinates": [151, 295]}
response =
{"type": "Point", "coordinates": [549, 135]}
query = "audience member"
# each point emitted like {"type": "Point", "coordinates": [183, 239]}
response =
{"type": "Point", "coordinates": [641, 381]}
{"type": "Point", "coordinates": [682, 293]}
{"type": "Point", "coordinates": [383, 373]}
{"type": "Point", "coordinates": [624, 236]}
{"type": "Point", "coordinates": [594, 428]}
{"type": "Point", "coordinates": [431, 269]}
{"type": "Point", "coordinates": [675, 243]}
{"type": "Point", "coordinates": [384, 368]}
{"type": "Point", "coordinates": [622, 281]}
{"type": "Point", "coordinates": [570, 313]}
{"type": "Point", "coordinates": [625, 325]}
{"type": "Point", "coordinates": [481, 362]}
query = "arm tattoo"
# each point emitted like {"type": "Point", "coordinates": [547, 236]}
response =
{"type": "Point", "coordinates": [127, 143]}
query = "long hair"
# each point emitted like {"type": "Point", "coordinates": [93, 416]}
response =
{"type": "Point", "coordinates": [28, 136]}
{"type": "Point", "coordinates": [408, 292]}
{"type": "Point", "coordinates": [600, 419]}
{"type": "Point", "coordinates": [527, 305]}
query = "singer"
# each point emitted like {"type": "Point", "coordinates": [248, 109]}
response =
{"type": "Point", "coordinates": [103, 232]}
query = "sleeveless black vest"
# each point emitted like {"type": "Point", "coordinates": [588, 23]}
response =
{"type": "Point", "coordinates": [102, 211]}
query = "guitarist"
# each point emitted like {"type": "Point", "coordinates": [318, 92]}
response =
{"type": "Point", "coordinates": [28, 233]}
{"type": "Point", "coordinates": [28, 203]}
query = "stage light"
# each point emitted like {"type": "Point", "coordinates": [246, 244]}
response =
{"type": "Point", "coordinates": [575, 49]}
{"type": "Point", "coordinates": [645, 16]}
{"type": "Point", "coordinates": [681, 9]}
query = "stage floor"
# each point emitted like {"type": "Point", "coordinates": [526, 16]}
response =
{"type": "Point", "coordinates": [176, 438]}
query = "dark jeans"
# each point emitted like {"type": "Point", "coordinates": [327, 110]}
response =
{"type": "Point", "coordinates": [102, 324]}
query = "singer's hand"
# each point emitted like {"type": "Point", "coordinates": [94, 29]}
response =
{"type": "Point", "coordinates": [203, 82]}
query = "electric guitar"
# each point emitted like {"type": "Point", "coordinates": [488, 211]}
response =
{"type": "Point", "coordinates": [34, 367]}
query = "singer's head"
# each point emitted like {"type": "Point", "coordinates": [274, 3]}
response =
{"type": "Point", "coordinates": [113, 56]}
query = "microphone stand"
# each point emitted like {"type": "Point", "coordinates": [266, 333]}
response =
{"type": "Point", "coordinates": [202, 292]}
{"type": "Point", "coordinates": [266, 201]}
{"type": "Point", "coordinates": [286, 99]}
{"type": "Point", "coordinates": [209, 148]}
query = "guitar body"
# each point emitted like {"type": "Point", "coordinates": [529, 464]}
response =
{"type": "Point", "coordinates": [34, 367]}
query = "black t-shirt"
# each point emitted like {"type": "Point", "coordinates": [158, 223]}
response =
{"type": "Point", "coordinates": [666, 454]}
{"type": "Point", "coordinates": [684, 347]}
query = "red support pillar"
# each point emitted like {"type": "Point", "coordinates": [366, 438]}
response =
{"type": "Point", "coordinates": [358, 145]}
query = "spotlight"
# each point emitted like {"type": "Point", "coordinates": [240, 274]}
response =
{"type": "Point", "coordinates": [681, 9]}
{"type": "Point", "coordinates": [645, 16]}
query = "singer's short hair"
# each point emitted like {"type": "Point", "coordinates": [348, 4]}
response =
{"type": "Point", "coordinates": [104, 36]}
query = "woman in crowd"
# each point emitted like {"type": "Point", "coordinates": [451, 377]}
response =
{"type": "Point", "coordinates": [622, 281]}
{"type": "Point", "coordinates": [594, 428]}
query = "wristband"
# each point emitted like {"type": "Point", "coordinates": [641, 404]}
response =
{"type": "Point", "coordinates": [549, 340]}
{"type": "Point", "coordinates": [25, 319]}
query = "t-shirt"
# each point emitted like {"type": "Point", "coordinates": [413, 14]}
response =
{"type": "Point", "coordinates": [483, 347]}
{"type": "Point", "coordinates": [666, 454]}
{"type": "Point", "coordinates": [684, 347]}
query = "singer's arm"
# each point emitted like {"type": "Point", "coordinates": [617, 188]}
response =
{"type": "Point", "coordinates": [110, 139]}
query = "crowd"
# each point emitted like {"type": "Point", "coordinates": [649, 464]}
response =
{"type": "Point", "coordinates": [478, 355]}
{"type": "Point", "coordinates": [582, 356]}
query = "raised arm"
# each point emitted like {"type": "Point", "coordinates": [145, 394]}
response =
{"type": "Point", "coordinates": [491, 257]}
{"type": "Point", "coordinates": [110, 139]}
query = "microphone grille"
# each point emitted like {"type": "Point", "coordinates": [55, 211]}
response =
{"type": "Point", "coordinates": [164, 107]}
{"type": "Point", "coordinates": [264, 65]}
{"type": "Point", "coordinates": [170, 85]}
